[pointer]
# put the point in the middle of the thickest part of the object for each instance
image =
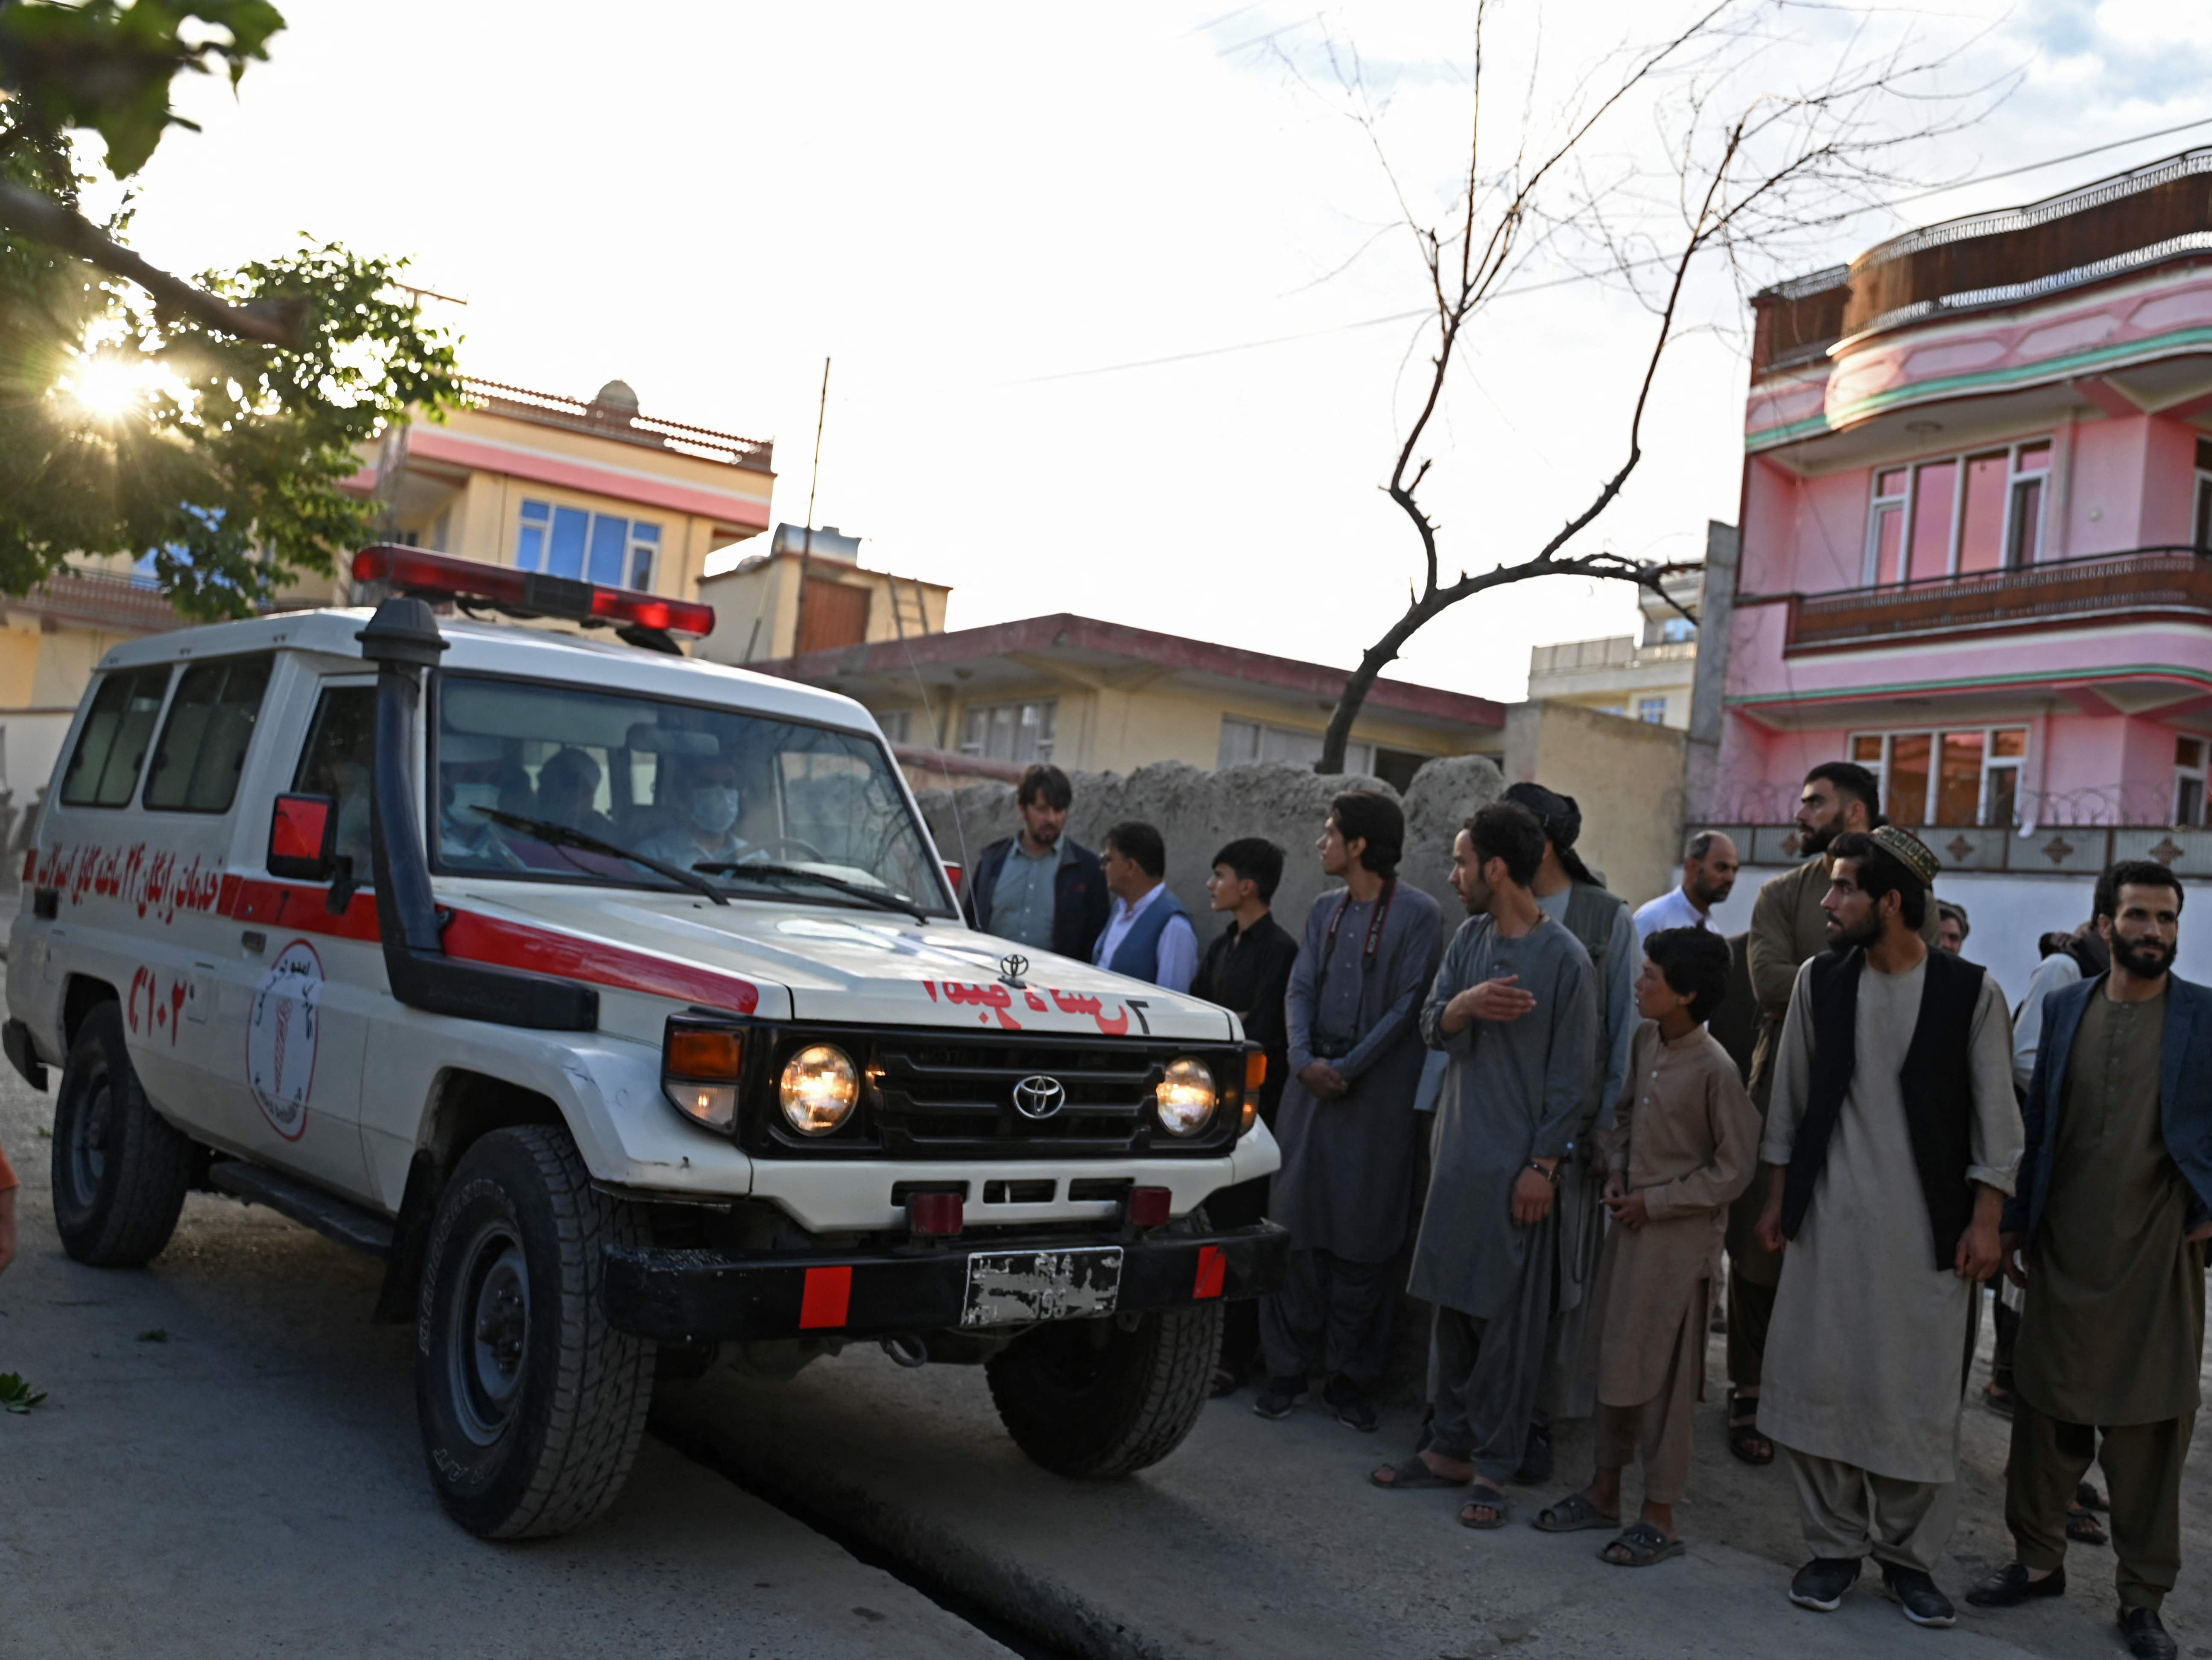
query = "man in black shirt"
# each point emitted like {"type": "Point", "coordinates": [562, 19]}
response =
{"type": "Point", "coordinates": [1247, 971]}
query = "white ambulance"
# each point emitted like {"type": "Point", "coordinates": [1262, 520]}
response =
{"type": "Point", "coordinates": [622, 1003]}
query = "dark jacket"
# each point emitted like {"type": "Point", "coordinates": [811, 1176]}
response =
{"type": "Point", "coordinates": [1250, 976]}
{"type": "Point", "coordinates": [1080, 899]}
{"type": "Point", "coordinates": [2185, 1094]}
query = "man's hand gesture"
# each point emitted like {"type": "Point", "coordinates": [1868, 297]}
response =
{"type": "Point", "coordinates": [1531, 1198]}
{"type": "Point", "coordinates": [1496, 1000]}
{"type": "Point", "coordinates": [1626, 1203]}
{"type": "Point", "coordinates": [2009, 1258]}
{"type": "Point", "coordinates": [1325, 1081]}
{"type": "Point", "coordinates": [1978, 1251]}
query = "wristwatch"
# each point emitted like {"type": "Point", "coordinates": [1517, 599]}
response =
{"type": "Point", "coordinates": [1551, 1174]}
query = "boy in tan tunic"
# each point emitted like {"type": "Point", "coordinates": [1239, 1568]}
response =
{"type": "Point", "coordinates": [1685, 1143]}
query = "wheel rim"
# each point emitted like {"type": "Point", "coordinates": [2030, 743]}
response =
{"type": "Point", "coordinates": [488, 1334]}
{"type": "Point", "coordinates": [88, 1140]}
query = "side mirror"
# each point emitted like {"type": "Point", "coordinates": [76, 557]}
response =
{"type": "Point", "coordinates": [303, 838]}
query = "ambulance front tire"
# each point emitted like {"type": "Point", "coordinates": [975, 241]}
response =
{"type": "Point", "coordinates": [1090, 1398]}
{"type": "Point", "coordinates": [119, 1168]}
{"type": "Point", "coordinates": [531, 1405]}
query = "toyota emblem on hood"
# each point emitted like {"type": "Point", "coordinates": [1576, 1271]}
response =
{"type": "Point", "coordinates": [1039, 1096]}
{"type": "Point", "coordinates": [1012, 968]}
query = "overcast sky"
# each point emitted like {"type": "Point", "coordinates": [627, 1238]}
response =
{"type": "Point", "coordinates": [965, 206]}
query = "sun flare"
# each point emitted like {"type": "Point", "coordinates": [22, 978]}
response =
{"type": "Point", "coordinates": [108, 389]}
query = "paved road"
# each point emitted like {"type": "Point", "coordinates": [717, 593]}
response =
{"type": "Point", "coordinates": [252, 1484]}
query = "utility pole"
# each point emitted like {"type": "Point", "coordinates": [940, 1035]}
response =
{"type": "Point", "coordinates": [806, 541]}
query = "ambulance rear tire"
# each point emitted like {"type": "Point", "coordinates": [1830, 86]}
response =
{"type": "Point", "coordinates": [119, 1168]}
{"type": "Point", "coordinates": [1092, 1398]}
{"type": "Point", "coordinates": [531, 1405]}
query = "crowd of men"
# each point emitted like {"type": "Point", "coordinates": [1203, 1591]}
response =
{"type": "Point", "coordinates": [1838, 1104]}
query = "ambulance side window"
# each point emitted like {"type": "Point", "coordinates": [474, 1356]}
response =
{"type": "Point", "coordinates": [203, 741]}
{"type": "Point", "coordinates": [104, 770]}
{"type": "Point", "coordinates": [341, 750]}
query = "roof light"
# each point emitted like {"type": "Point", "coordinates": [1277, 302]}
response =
{"type": "Point", "coordinates": [439, 576]}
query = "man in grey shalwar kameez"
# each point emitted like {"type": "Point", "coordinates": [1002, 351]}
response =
{"type": "Point", "coordinates": [1346, 1125]}
{"type": "Point", "coordinates": [1894, 1136]}
{"type": "Point", "coordinates": [1515, 1007]}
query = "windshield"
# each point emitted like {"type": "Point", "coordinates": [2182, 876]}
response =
{"type": "Point", "coordinates": [683, 783]}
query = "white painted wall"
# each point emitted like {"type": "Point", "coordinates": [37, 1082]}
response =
{"type": "Point", "coordinates": [2009, 914]}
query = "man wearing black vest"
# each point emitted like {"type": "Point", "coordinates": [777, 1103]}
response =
{"type": "Point", "coordinates": [1892, 1138]}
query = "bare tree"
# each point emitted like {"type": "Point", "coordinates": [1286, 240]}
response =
{"type": "Point", "coordinates": [1752, 182]}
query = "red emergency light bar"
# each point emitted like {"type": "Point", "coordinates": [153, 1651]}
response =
{"type": "Point", "coordinates": [438, 576]}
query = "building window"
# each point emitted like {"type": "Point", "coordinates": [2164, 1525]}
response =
{"type": "Point", "coordinates": [1019, 733]}
{"type": "Point", "coordinates": [897, 725]}
{"type": "Point", "coordinates": [1968, 776]}
{"type": "Point", "coordinates": [2201, 521]}
{"type": "Point", "coordinates": [591, 547]}
{"type": "Point", "coordinates": [1957, 515]}
{"type": "Point", "coordinates": [1652, 711]}
{"type": "Point", "coordinates": [1676, 629]}
{"type": "Point", "coordinates": [1245, 741]}
{"type": "Point", "coordinates": [2189, 780]}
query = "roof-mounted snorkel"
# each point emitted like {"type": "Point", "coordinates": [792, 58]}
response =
{"type": "Point", "coordinates": [402, 639]}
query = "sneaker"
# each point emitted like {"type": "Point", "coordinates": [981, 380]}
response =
{"type": "Point", "coordinates": [1349, 1405]}
{"type": "Point", "coordinates": [1535, 1457]}
{"type": "Point", "coordinates": [1281, 1394]}
{"type": "Point", "coordinates": [2148, 1637]}
{"type": "Point", "coordinates": [1916, 1595]}
{"type": "Point", "coordinates": [2009, 1586]}
{"type": "Point", "coordinates": [1821, 1582]}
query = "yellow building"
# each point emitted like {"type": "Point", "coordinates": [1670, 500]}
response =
{"type": "Point", "coordinates": [809, 594]}
{"type": "Point", "coordinates": [1096, 696]}
{"type": "Point", "coordinates": [587, 488]}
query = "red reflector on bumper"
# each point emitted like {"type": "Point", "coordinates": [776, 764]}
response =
{"type": "Point", "coordinates": [1151, 1207]}
{"type": "Point", "coordinates": [1212, 1268]}
{"type": "Point", "coordinates": [829, 1294]}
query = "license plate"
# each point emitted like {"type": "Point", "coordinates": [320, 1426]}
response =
{"type": "Point", "coordinates": [1014, 1287]}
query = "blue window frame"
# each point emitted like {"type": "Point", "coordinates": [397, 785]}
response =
{"type": "Point", "coordinates": [596, 547]}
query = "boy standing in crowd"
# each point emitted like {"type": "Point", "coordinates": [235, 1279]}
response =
{"type": "Point", "coordinates": [1039, 888]}
{"type": "Point", "coordinates": [2106, 1234]}
{"type": "Point", "coordinates": [1247, 969]}
{"type": "Point", "coordinates": [1515, 1007]}
{"type": "Point", "coordinates": [1685, 1142]}
{"type": "Point", "coordinates": [1893, 1137]}
{"type": "Point", "coordinates": [1347, 1127]}
{"type": "Point", "coordinates": [1148, 935]}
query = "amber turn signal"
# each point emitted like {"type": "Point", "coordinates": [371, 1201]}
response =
{"type": "Point", "coordinates": [1256, 1070]}
{"type": "Point", "coordinates": [697, 1053]}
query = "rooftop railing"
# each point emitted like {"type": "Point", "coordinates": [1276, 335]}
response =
{"type": "Point", "coordinates": [620, 422]}
{"type": "Point", "coordinates": [2167, 579]}
{"type": "Point", "coordinates": [110, 601]}
{"type": "Point", "coordinates": [1621, 652]}
{"type": "Point", "coordinates": [2075, 850]}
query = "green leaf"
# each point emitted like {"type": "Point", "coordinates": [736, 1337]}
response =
{"type": "Point", "coordinates": [16, 1395]}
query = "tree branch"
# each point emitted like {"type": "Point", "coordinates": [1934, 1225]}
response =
{"type": "Point", "coordinates": [271, 322]}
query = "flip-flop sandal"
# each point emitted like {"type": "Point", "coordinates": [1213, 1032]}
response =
{"type": "Point", "coordinates": [1413, 1474]}
{"type": "Point", "coordinates": [1487, 1498]}
{"type": "Point", "coordinates": [1573, 1514]}
{"type": "Point", "coordinates": [2083, 1528]}
{"type": "Point", "coordinates": [1639, 1547]}
{"type": "Point", "coordinates": [1744, 1438]}
{"type": "Point", "coordinates": [2086, 1497]}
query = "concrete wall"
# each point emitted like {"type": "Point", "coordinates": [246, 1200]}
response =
{"type": "Point", "coordinates": [1197, 812]}
{"type": "Point", "coordinates": [1626, 777]}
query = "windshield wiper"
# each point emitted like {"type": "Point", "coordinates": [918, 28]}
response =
{"type": "Point", "coordinates": [884, 900]}
{"type": "Point", "coordinates": [560, 835]}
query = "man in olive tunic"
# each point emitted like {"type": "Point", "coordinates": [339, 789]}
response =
{"type": "Point", "coordinates": [1788, 929]}
{"type": "Point", "coordinates": [2115, 1204]}
{"type": "Point", "coordinates": [1346, 1124]}
{"type": "Point", "coordinates": [1514, 1007]}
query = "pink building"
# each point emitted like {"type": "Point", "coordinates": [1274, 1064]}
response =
{"type": "Point", "coordinates": [1977, 499]}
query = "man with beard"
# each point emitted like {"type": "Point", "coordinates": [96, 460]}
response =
{"type": "Point", "coordinates": [1788, 929]}
{"type": "Point", "coordinates": [1349, 1134]}
{"type": "Point", "coordinates": [1515, 1008]}
{"type": "Point", "coordinates": [1039, 887]}
{"type": "Point", "coordinates": [2106, 1236]}
{"type": "Point", "coordinates": [1892, 1142]}
{"type": "Point", "coordinates": [1709, 868]}
{"type": "Point", "coordinates": [1569, 892]}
